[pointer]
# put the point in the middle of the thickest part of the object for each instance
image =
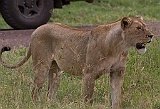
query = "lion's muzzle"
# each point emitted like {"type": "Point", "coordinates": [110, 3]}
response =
{"type": "Point", "coordinates": [141, 46]}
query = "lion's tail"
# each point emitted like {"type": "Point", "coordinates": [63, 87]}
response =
{"type": "Point", "coordinates": [28, 54]}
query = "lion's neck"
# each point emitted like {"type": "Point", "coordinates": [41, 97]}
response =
{"type": "Point", "coordinates": [115, 38]}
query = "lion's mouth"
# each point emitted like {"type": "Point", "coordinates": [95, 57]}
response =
{"type": "Point", "coordinates": [140, 45]}
{"type": "Point", "coordinates": [141, 48]}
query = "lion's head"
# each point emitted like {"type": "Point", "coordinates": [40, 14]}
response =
{"type": "Point", "coordinates": [136, 33]}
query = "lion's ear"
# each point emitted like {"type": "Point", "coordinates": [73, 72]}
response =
{"type": "Point", "coordinates": [126, 22]}
{"type": "Point", "coordinates": [139, 18]}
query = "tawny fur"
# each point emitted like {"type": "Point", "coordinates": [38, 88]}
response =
{"type": "Point", "coordinates": [56, 48]}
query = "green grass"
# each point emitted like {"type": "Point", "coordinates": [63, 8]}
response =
{"type": "Point", "coordinates": [102, 11]}
{"type": "Point", "coordinates": [105, 11]}
{"type": "Point", "coordinates": [141, 89]}
{"type": "Point", "coordinates": [3, 24]}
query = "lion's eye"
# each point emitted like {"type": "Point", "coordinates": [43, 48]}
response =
{"type": "Point", "coordinates": [139, 28]}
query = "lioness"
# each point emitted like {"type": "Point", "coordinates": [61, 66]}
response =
{"type": "Point", "coordinates": [56, 48]}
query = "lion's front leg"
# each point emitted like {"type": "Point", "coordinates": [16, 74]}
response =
{"type": "Point", "coordinates": [116, 82]}
{"type": "Point", "coordinates": [89, 83]}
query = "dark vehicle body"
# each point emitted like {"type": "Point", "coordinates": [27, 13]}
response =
{"type": "Point", "coordinates": [29, 14]}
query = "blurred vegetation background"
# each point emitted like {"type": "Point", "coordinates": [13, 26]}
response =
{"type": "Point", "coordinates": [102, 12]}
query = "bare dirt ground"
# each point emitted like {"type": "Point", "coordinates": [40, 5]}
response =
{"type": "Point", "coordinates": [16, 38]}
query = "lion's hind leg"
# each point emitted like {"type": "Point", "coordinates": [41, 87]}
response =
{"type": "Point", "coordinates": [53, 81]}
{"type": "Point", "coordinates": [41, 70]}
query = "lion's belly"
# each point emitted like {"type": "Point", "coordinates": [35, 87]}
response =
{"type": "Point", "coordinates": [71, 56]}
{"type": "Point", "coordinates": [73, 68]}
{"type": "Point", "coordinates": [71, 64]}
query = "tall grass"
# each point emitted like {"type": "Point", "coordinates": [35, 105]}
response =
{"type": "Point", "coordinates": [141, 89]}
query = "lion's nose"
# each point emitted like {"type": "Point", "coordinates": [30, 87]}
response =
{"type": "Point", "coordinates": [150, 38]}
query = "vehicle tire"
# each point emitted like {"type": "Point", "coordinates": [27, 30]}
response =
{"type": "Point", "coordinates": [26, 14]}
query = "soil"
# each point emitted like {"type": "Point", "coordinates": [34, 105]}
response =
{"type": "Point", "coordinates": [17, 38]}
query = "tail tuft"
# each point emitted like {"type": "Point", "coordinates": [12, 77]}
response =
{"type": "Point", "coordinates": [5, 49]}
